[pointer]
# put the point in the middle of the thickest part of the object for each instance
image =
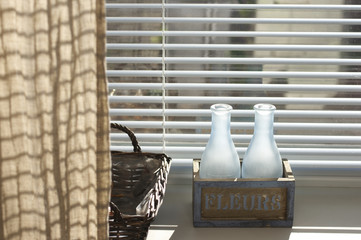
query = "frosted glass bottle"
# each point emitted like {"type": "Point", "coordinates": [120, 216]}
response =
{"type": "Point", "coordinates": [262, 158]}
{"type": "Point", "coordinates": [220, 158]}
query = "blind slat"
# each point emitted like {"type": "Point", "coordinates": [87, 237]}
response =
{"type": "Point", "coordinates": [233, 74]}
{"type": "Point", "coordinates": [242, 125]}
{"type": "Point", "coordinates": [235, 100]}
{"type": "Point", "coordinates": [234, 34]}
{"type": "Point", "coordinates": [195, 20]}
{"type": "Point", "coordinates": [224, 60]}
{"type": "Point", "coordinates": [197, 151]}
{"type": "Point", "coordinates": [233, 6]}
{"type": "Point", "coordinates": [311, 139]}
{"type": "Point", "coordinates": [249, 47]}
{"type": "Point", "coordinates": [235, 113]}
{"type": "Point", "coordinates": [236, 87]}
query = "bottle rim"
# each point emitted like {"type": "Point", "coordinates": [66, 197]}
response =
{"type": "Point", "coordinates": [221, 107]}
{"type": "Point", "coordinates": [264, 107]}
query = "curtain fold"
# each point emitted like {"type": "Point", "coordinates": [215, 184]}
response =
{"type": "Point", "coordinates": [54, 126]}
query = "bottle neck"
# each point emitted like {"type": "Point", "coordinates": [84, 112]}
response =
{"type": "Point", "coordinates": [221, 122]}
{"type": "Point", "coordinates": [263, 123]}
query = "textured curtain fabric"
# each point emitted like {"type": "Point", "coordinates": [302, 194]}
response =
{"type": "Point", "coordinates": [54, 145]}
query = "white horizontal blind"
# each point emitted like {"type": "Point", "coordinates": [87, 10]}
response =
{"type": "Point", "coordinates": [169, 61]}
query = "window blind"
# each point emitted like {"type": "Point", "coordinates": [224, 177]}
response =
{"type": "Point", "coordinates": [169, 61]}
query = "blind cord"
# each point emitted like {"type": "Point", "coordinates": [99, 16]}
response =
{"type": "Point", "coordinates": [163, 76]}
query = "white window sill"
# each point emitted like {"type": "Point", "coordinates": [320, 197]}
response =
{"type": "Point", "coordinates": [320, 213]}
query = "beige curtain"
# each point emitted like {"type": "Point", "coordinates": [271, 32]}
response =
{"type": "Point", "coordinates": [54, 146]}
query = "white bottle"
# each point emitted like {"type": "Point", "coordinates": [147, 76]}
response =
{"type": "Point", "coordinates": [220, 158]}
{"type": "Point", "coordinates": [262, 158]}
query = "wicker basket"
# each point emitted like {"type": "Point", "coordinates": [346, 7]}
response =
{"type": "Point", "coordinates": [138, 187]}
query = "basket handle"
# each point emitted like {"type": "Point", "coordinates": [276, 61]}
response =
{"type": "Point", "coordinates": [136, 147]}
{"type": "Point", "coordinates": [117, 214]}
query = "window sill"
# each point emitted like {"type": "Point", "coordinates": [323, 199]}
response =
{"type": "Point", "coordinates": [320, 213]}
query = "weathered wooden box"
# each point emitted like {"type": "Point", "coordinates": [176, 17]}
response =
{"type": "Point", "coordinates": [243, 202]}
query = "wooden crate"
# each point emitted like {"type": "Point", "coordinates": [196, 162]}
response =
{"type": "Point", "coordinates": [243, 202]}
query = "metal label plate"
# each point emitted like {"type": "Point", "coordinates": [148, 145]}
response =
{"type": "Point", "coordinates": [243, 203]}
